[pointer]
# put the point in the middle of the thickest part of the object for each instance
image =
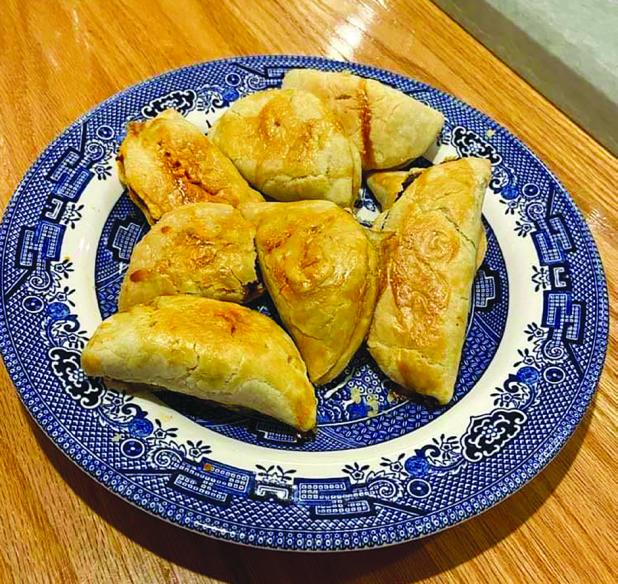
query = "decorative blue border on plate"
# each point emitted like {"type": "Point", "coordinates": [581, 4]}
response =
{"type": "Point", "coordinates": [409, 496]}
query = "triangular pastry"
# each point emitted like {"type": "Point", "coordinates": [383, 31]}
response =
{"type": "Point", "coordinates": [288, 144]}
{"type": "Point", "coordinates": [205, 249]}
{"type": "Point", "coordinates": [167, 162]}
{"type": "Point", "coordinates": [320, 270]}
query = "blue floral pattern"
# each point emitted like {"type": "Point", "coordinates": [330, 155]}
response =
{"type": "Point", "coordinates": [488, 434]}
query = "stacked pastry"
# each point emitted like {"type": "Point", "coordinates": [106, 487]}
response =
{"type": "Point", "coordinates": [404, 286]}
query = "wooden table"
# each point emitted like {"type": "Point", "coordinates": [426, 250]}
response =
{"type": "Point", "coordinates": [59, 60]}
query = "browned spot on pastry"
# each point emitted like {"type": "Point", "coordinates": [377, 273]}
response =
{"type": "Point", "coordinates": [139, 276]}
{"type": "Point", "coordinates": [232, 317]}
{"type": "Point", "coordinates": [420, 292]}
{"type": "Point", "coordinates": [282, 134]}
{"type": "Point", "coordinates": [365, 118]}
{"type": "Point", "coordinates": [432, 243]}
{"type": "Point", "coordinates": [184, 172]}
{"type": "Point", "coordinates": [406, 372]}
{"type": "Point", "coordinates": [276, 240]}
{"type": "Point", "coordinates": [134, 128]}
{"type": "Point", "coordinates": [166, 229]}
{"type": "Point", "coordinates": [271, 123]}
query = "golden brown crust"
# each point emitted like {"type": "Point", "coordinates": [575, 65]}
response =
{"type": "Point", "coordinates": [205, 249]}
{"type": "Point", "coordinates": [289, 145]}
{"type": "Point", "coordinates": [388, 127]}
{"type": "Point", "coordinates": [167, 162]}
{"type": "Point", "coordinates": [388, 185]}
{"type": "Point", "coordinates": [209, 349]}
{"type": "Point", "coordinates": [482, 249]}
{"type": "Point", "coordinates": [419, 324]}
{"type": "Point", "coordinates": [320, 269]}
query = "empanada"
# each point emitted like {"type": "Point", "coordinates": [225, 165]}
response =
{"type": "Point", "coordinates": [387, 186]}
{"type": "Point", "coordinates": [217, 351]}
{"type": "Point", "coordinates": [206, 249]}
{"type": "Point", "coordinates": [167, 162]}
{"type": "Point", "coordinates": [289, 145]}
{"type": "Point", "coordinates": [388, 127]}
{"type": "Point", "coordinates": [320, 269]}
{"type": "Point", "coordinates": [419, 324]}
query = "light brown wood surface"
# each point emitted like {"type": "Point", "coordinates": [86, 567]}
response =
{"type": "Point", "coordinates": [57, 60]}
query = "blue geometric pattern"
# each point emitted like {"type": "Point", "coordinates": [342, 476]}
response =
{"type": "Point", "coordinates": [410, 495]}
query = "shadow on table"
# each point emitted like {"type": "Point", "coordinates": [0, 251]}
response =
{"type": "Point", "coordinates": [232, 563]}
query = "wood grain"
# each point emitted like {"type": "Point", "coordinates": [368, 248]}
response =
{"type": "Point", "coordinates": [59, 60]}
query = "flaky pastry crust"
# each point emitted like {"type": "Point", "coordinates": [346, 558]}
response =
{"type": "Point", "coordinates": [419, 324]}
{"type": "Point", "coordinates": [205, 249]}
{"type": "Point", "coordinates": [167, 162]}
{"type": "Point", "coordinates": [320, 270]}
{"type": "Point", "coordinates": [213, 350]}
{"type": "Point", "coordinates": [388, 127]}
{"type": "Point", "coordinates": [288, 144]}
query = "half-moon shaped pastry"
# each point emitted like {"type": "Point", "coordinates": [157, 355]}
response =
{"type": "Point", "coordinates": [320, 269]}
{"type": "Point", "coordinates": [387, 186]}
{"type": "Point", "coordinates": [206, 249]}
{"type": "Point", "coordinates": [167, 162]}
{"type": "Point", "coordinates": [419, 324]}
{"type": "Point", "coordinates": [216, 351]}
{"type": "Point", "coordinates": [388, 127]}
{"type": "Point", "coordinates": [289, 145]}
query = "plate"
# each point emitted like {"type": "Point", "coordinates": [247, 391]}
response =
{"type": "Point", "coordinates": [382, 469]}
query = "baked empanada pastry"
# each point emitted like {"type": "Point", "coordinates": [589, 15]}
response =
{"type": "Point", "coordinates": [387, 186]}
{"type": "Point", "coordinates": [288, 144]}
{"type": "Point", "coordinates": [206, 249]}
{"type": "Point", "coordinates": [167, 162]}
{"type": "Point", "coordinates": [482, 249]}
{"type": "Point", "coordinates": [213, 350]}
{"type": "Point", "coordinates": [320, 269]}
{"type": "Point", "coordinates": [419, 324]}
{"type": "Point", "coordinates": [388, 127]}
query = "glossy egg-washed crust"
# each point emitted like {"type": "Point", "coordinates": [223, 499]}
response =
{"type": "Point", "coordinates": [213, 350]}
{"type": "Point", "coordinates": [419, 324]}
{"type": "Point", "coordinates": [167, 162]}
{"type": "Point", "coordinates": [320, 270]}
{"type": "Point", "coordinates": [289, 145]}
{"type": "Point", "coordinates": [388, 185]}
{"type": "Point", "coordinates": [206, 249]}
{"type": "Point", "coordinates": [388, 127]}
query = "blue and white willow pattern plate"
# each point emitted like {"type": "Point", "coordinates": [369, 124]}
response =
{"type": "Point", "coordinates": [381, 469]}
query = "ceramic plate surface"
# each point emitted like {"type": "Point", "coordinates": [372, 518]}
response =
{"type": "Point", "coordinates": [382, 469]}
